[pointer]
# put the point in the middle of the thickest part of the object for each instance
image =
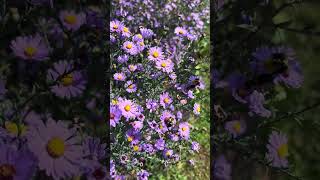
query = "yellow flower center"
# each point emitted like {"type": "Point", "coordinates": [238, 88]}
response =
{"type": "Point", "coordinates": [130, 86]}
{"type": "Point", "coordinates": [166, 100]}
{"type": "Point", "coordinates": [125, 29]}
{"type": "Point", "coordinates": [7, 171]}
{"type": "Point", "coordinates": [155, 54]}
{"type": "Point", "coordinates": [181, 32]}
{"type": "Point", "coordinates": [184, 129]}
{"type": "Point", "coordinates": [114, 102]}
{"type": "Point", "coordinates": [13, 128]}
{"type": "Point", "coordinates": [161, 127]}
{"type": "Point", "coordinates": [70, 19]}
{"type": "Point", "coordinates": [139, 36]}
{"type": "Point", "coordinates": [283, 151]}
{"type": "Point", "coordinates": [136, 148]}
{"type": "Point", "coordinates": [130, 138]}
{"type": "Point", "coordinates": [129, 46]}
{"type": "Point", "coordinates": [141, 44]}
{"type": "Point", "coordinates": [198, 109]}
{"type": "Point", "coordinates": [67, 80]}
{"type": "Point", "coordinates": [30, 51]}
{"type": "Point", "coordinates": [237, 126]}
{"type": "Point", "coordinates": [56, 147]}
{"type": "Point", "coordinates": [127, 108]}
{"type": "Point", "coordinates": [163, 65]}
{"type": "Point", "coordinates": [115, 26]}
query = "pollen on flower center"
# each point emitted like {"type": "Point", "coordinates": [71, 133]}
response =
{"type": "Point", "coordinates": [130, 86]}
{"type": "Point", "coordinates": [115, 27]}
{"type": "Point", "coordinates": [155, 54]}
{"type": "Point", "coordinates": [166, 100]}
{"type": "Point", "coordinates": [184, 129]}
{"type": "Point", "coordinates": [70, 19]}
{"type": "Point", "coordinates": [181, 32]}
{"type": "Point", "coordinates": [237, 126]}
{"type": "Point", "coordinates": [168, 153]}
{"type": "Point", "coordinates": [56, 147]}
{"type": "Point", "coordinates": [130, 138]}
{"type": "Point", "coordinates": [67, 80]}
{"type": "Point", "coordinates": [283, 151]}
{"type": "Point", "coordinates": [125, 29]}
{"type": "Point", "coordinates": [198, 109]}
{"type": "Point", "coordinates": [139, 36]}
{"type": "Point", "coordinates": [127, 108]}
{"type": "Point", "coordinates": [129, 46]}
{"type": "Point", "coordinates": [136, 148]}
{"type": "Point", "coordinates": [163, 65]}
{"type": "Point", "coordinates": [12, 128]}
{"type": "Point", "coordinates": [30, 51]}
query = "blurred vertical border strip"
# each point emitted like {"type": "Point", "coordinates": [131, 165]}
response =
{"type": "Point", "coordinates": [213, 5]}
{"type": "Point", "coordinates": [106, 43]}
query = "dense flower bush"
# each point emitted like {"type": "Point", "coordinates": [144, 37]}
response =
{"type": "Point", "coordinates": [252, 74]}
{"type": "Point", "coordinates": [52, 123]}
{"type": "Point", "coordinates": [154, 90]}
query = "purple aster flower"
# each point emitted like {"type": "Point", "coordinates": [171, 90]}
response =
{"type": "Point", "coordinates": [256, 102]}
{"type": "Point", "coordinates": [115, 115]}
{"type": "Point", "coordinates": [130, 47]}
{"type": "Point", "coordinates": [235, 127]}
{"type": "Point", "coordinates": [130, 87]}
{"type": "Point", "coordinates": [68, 82]}
{"type": "Point", "coordinates": [155, 54]}
{"type": "Point", "coordinates": [140, 46]}
{"type": "Point", "coordinates": [222, 169]}
{"type": "Point", "coordinates": [165, 100]}
{"type": "Point", "coordinates": [56, 147]}
{"type": "Point", "coordinates": [143, 175]}
{"type": "Point", "coordinates": [184, 130]}
{"type": "Point", "coordinates": [119, 77]}
{"type": "Point", "coordinates": [195, 146]}
{"type": "Point", "coordinates": [160, 144]}
{"type": "Point", "coordinates": [123, 59]}
{"type": "Point", "coordinates": [165, 65]}
{"type": "Point", "coordinates": [16, 164]}
{"type": "Point", "coordinates": [125, 31]}
{"type": "Point", "coordinates": [180, 31]}
{"type": "Point", "coordinates": [292, 77]}
{"type": "Point", "coordinates": [133, 135]}
{"type": "Point", "coordinates": [94, 148]}
{"type": "Point", "coordinates": [174, 137]}
{"type": "Point", "coordinates": [132, 67]}
{"type": "Point", "coordinates": [278, 150]}
{"type": "Point", "coordinates": [137, 125]}
{"type": "Point", "coordinates": [148, 148]}
{"type": "Point", "coordinates": [146, 33]}
{"type": "Point", "coordinates": [152, 105]}
{"type": "Point", "coordinates": [72, 20]}
{"type": "Point", "coordinates": [196, 108]}
{"type": "Point", "coordinates": [167, 153]}
{"type": "Point", "coordinates": [137, 38]}
{"type": "Point", "coordinates": [30, 48]}
{"type": "Point", "coordinates": [116, 26]}
{"type": "Point", "coordinates": [128, 108]}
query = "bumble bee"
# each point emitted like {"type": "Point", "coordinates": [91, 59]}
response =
{"type": "Point", "coordinates": [194, 84]}
{"type": "Point", "coordinates": [169, 122]}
